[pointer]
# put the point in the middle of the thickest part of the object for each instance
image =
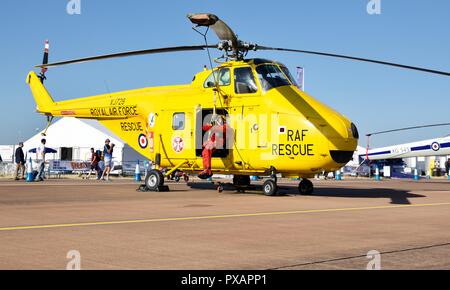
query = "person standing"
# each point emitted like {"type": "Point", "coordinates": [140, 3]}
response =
{"type": "Point", "coordinates": [40, 159]}
{"type": "Point", "coordinates": [107, 154]}
{"type": "Point", "coordinates": [20, 162]}
{"type": "Point", "coordinates": [101, 165]}
{"type": "Point", "coordinates": [447, 166]}
{"type": "Point", "coordinates": [94, 163]}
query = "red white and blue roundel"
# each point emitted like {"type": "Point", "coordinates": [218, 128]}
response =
{"type": "Point", "coordinates": [435, 146]}
{"type": "Point", "coordinates": [143, 141]}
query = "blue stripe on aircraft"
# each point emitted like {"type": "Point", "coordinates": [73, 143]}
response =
{"type": "Point", "coordinates": [418, 148]}
{"type": "Point", "coordinates": [380, 153]}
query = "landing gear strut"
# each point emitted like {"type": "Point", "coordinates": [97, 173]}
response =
{"type": "Point", "coordinates": [306, 187]}
{"type": "Point", "coordinates": [49, 122]}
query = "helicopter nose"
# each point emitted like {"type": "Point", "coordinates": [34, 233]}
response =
{"type": "Point", "coordinates": [343, 152]}
{"type": "Point", "coordinates": [341, 156]}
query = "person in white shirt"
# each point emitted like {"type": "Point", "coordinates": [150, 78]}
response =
{"type": "Point", "coordinates": [40, 159]}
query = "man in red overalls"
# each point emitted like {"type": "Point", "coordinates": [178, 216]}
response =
{"type": "Point", "coordinates": [217, 132]}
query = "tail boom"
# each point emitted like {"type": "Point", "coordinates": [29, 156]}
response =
{"type": "Point", "coordinates": [100, 107]}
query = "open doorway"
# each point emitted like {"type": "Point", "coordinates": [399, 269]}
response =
{"type": "Point", "coordinates": [66, 154]}
{"type": "Point", "coordinates": [203, 118]}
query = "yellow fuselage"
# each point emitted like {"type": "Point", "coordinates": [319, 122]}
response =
{"type": "Point", "coordinates": [283, 127]}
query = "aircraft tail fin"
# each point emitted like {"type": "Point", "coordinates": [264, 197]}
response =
{"type": "Point", "coordinates": [44, 101]}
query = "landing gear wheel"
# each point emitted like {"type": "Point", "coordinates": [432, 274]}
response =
{"type": "Point", "coordinates": [220, 188]}
{"type": "Point", "coordinates": [154, 180]}
{"type": "Point", "coordinates": [270, 188]}
{"type": "Point", "coordinates": [306, 187]}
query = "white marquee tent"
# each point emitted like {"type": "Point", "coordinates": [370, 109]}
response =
{"type": "Point", "coordinates": [73, 138]}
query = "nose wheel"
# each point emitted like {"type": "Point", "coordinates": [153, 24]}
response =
{"type": "Point", "coordinates": [270, 187]}
{"type": "Point", "coordinates": [306, 187]}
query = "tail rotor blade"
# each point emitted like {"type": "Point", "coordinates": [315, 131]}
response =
{"type": "Point", "coordinates": [44, 62]}
{"type": "Point", "coordinates": [46, 48]}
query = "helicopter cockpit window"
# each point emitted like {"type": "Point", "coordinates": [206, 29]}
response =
{"type": "Point", "coordinates": [178, 121]}
{"type": "Point", "coordinates": [244, 81]}
{"type": "Point", "coordinates": [289, 75]}
{"type": "Point", "coordinates": [271, 77]}
{"type": "Point", "coordinates": [222, 77]}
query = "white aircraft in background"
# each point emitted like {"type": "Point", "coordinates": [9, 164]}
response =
{"type": "Point", "coordinates": [431, 147]}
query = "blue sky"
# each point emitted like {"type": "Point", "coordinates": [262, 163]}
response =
{"type": "Point", "coordinates": [376, 98]}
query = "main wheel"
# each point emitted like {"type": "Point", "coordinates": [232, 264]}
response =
{"type": "Point", "coordinates": [270, 188]}
{"type": "Point", "coordinates": [154, 179]}
{"type": "Point", "coordinates": [306, 187]}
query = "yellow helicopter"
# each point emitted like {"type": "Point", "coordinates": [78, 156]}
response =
{"type": "Point", "coordinates": [266, 125]}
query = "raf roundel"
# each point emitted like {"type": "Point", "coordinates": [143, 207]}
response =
{"type": "Point", "coordinates": [143, 142]}
{"type": "Point", "coordinates": [435, 146]}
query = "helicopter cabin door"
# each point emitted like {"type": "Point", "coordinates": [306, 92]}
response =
{"type": "Point", "coordinates": [207, 131]}
{"type": "Point", "coordinates": [177, 144]}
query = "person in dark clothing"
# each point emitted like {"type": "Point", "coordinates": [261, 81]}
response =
{"type": "Point", "coordinates": [447, 166]}
{"type": "Point", "coordinates": [20, 162]}
{"type": "Point", "coordinates": [94, 163]}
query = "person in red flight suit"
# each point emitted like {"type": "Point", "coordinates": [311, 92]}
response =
{"type": "Point", "coordinates": [217, 133]}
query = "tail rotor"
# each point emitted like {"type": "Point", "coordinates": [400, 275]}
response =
{"type": "Point", "coordinates": [44, 69]}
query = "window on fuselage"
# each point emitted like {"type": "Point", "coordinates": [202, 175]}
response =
{"type": "Point", "coordinates": [271, 76]}
{"type": "Point", "coordinates": [222, 77]}
{"type": "Point", "coordinates": [178, 121]}
{"type": "Point", "coordinates": [244, 81]}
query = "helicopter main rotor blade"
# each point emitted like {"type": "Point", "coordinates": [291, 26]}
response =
{"type": "Point", "coordinates": [355, 58]}
{"type": "Point", "coordinates": [222, 30]}
{"type": "Point", "coordinates": [129, 53]}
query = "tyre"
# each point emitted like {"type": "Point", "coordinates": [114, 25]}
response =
{"type": "Point", "coordinates": [306, 187]}
{"type": "Point", "coordinates": [270, 188]}
{"type": "Point", "coordinates": [154, 180]}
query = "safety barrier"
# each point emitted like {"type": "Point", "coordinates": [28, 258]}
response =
{"type": "Point", "coordinates": [7, 169]}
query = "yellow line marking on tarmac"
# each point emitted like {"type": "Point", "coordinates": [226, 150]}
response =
{"type": "Point", "coordinates": [17, 228]}
{"type": "Point", "coordinates": [30, 184]}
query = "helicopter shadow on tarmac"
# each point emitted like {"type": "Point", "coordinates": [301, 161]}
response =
{"type": "Point", "coordinates": [396, 196]}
